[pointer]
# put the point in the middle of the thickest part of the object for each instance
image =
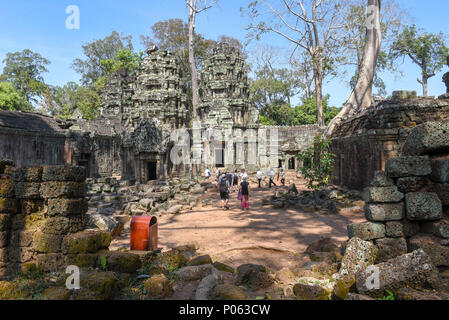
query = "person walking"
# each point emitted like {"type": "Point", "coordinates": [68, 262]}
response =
{"type": "Point", "coordinates": [235, 181]}
{"type": "Point", "coordinates": [259, 176]}
{"type": "Point", "coordinates": [243, 175]}
{"type": "Point", "coordinates": [229, 178]}
{"type": "Point", "coordinates": [271, 175]}
{"type": "Point", "coordinates": [282, 175]}
{"type": "Point", "coordinates": [223, 186]}
{"type": "Point", "coordinates": [244, 190]}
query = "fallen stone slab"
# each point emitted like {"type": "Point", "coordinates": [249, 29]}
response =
{"type": "Point", "coordinates": [423, 206]}
{"type": "Point", "coordinates": [412, 270]}
{"type": "Point", "coordinates": [194, 272]}
{"type": "Point", "coordinates": [359, 254]}
{"type": "Point", "coordinates": [254, 276]}
{"type": "Point", "coordinates": [408, 167]}
{"type": "Point", "coordinates": [207, 285]}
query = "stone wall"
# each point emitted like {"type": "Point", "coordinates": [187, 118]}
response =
{"type": "Point", "coordinates": [364, 143]}
{"type": "Point", "coordinates": [43, 217]}
{"type": "Point", "coordinates": [408, 205]}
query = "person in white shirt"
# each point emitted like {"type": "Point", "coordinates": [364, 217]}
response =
{"type": "Point", "coordinates": [243, 175]}
{"type": "Point", "coordinates": [259, 176]}
{"type": "Point", "coordinates": [271, 175]}
{"type": "Point", "coordinates": [207, 173]}
{"type": "Point", "coordinates": [282, 176]}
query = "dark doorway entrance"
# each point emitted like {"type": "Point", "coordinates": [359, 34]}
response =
{"type": "Point", "coordinates": [291, 164]}
{"type": "Point", "coordinates": [152, 171]}
{"type": "Point", "coordinates": [219, 156]}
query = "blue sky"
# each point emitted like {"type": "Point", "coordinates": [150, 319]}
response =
{"type": "Point", "coordinates": [40, 26]}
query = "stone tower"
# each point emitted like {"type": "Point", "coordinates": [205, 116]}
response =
{"type": "Point", "coordinates": [158, 92]}
{"type": "Point", "coordinates": [224, 90]}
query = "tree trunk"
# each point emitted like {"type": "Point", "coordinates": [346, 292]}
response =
{"type": "Point", "coordinates": [195, 97]}
{"type": "Point", "coordinates": [425, 85]}
{"type": "Point", "coordinates": [361, 97]}
{"type": "Point", "coordinates": [318, 77]}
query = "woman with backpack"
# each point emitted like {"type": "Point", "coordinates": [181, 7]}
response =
{"type": "Point", "coordinates": [244, 191]}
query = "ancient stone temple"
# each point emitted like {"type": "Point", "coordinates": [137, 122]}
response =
{"type": "Point", "coordinates": [224, 90]}
{"type": "Point", "coordinates": [132, 139]}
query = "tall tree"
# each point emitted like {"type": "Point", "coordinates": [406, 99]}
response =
{"type": "Point", "coordinates": [393, 18]}
{"type": "Point", "coordinates": [427, 50]}
{"type": "Point", "coordinates": [195, 7]}
{"type": "Point", "coordinates": [24, 70]}
{"type": "Point", "coordinates": [97, 51]}
{"type": "Point", "coordinates": [360, 97]}
{"type": "Point", "coordinates": [313, 26]}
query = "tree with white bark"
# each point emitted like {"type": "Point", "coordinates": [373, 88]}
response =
{"type": "Point", "coordinates": [361, 97]}
{"type": "Point", "coordinates": [195, 7]}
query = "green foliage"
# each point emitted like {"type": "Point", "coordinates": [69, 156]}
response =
{"type": "Point", "coordinates": [63, 101]}
{"type": "Point", "coordinates": [389, 296]}
{"type": "Point", "coordinates": [11, 100]}
{"type": "Point", "coordinates": [317, 164]}
{"type": "Point", "coordinates": [125, 59]}
{"type": "Point", "coordinates": [306, 112]}
{"type": "Point", "coordinates": [427, 50]}
{"type": "Point", "coordinates": [96, 51]}
{"type": "Point", "coordinates": [24, 70]}
{"type": "Point", "coordinates": [284, 115]}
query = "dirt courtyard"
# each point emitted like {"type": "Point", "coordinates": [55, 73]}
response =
{"type": "Point", "coordinates": [263, 235]}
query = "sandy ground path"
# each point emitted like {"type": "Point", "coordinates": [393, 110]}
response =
{"type": "Point", "coordinates": [264, 235]}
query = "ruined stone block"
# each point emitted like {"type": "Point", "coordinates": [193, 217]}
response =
{"type": "Point", "coordinates": [62, 189]}
{"type": "Point", "coordinates": [4, 163]}
{"type": "Point", "coordinates": [27, 190]}
{"type": "Point", "coordinates": [408, 167]}
{"type": "Point", "coordinates": [65, 225]}
{"type": "Point", "coordinates": [28, 222]}
{"type": "Point", "coordinates": [412, 270]}
{"type": "Point", "coordinates": [427, 138]}
{"type": "Point", "coordinates": [64, 173]}
{"type": "Point", "coordinates": [20, 254]}
{"type": "Point", "coordinates": [6, 186]}
{"type": "Point", "coordinates": [440, 170]}
{"type": "Point", "coordinates": [22, 238]}
{"type": "Point", "coordinates": [8, 205]}
{"type": "Point", "coordinates": [366, 231]}
{"type": "Point", "coordinates": [382, 195]}
{"type": "Point", "coordinates": [5, 222]}
{"type": "Point", "coordinates": [437, 228]}
{"type": "Point", "coordinates": [390, 248]}
{"type": "Point", "coordinates": [423, 206]}
{"type": "Point", "coordinates": [404, 228]}
{"type": "Point", "coordinates": [380, 179]}
{"type": "Point", "coordinates": [358, 256]}
{"type": "Point", "coordinates": [50, 262]}
{"type": "Point", "coordinates": [67, 207]}
{"type": "Point", "coordinates": [411, 184]}
{"type": "Point", "coordinates": [29, 206]}
{"type": "Point", "coordinates": [384, 212]}
{"type": "Point", "coordinates": [28, 174]}
{"type": "Point", "coordinates": [442, 190]}
{"type": "Point", "coordinates": [431, 245]}
{"type": "Point", "coordinates": [82, 260]}
{"type": "Point", "coordinates": [47, 243]}
{"type": "Point", "coordinates": [86, 242]}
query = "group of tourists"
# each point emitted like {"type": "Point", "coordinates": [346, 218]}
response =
{"type": "Point", "coordinates": [228, 182]}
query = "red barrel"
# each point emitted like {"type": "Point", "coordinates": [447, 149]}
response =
{"type": "Point", "coordinates": [144, 233]}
